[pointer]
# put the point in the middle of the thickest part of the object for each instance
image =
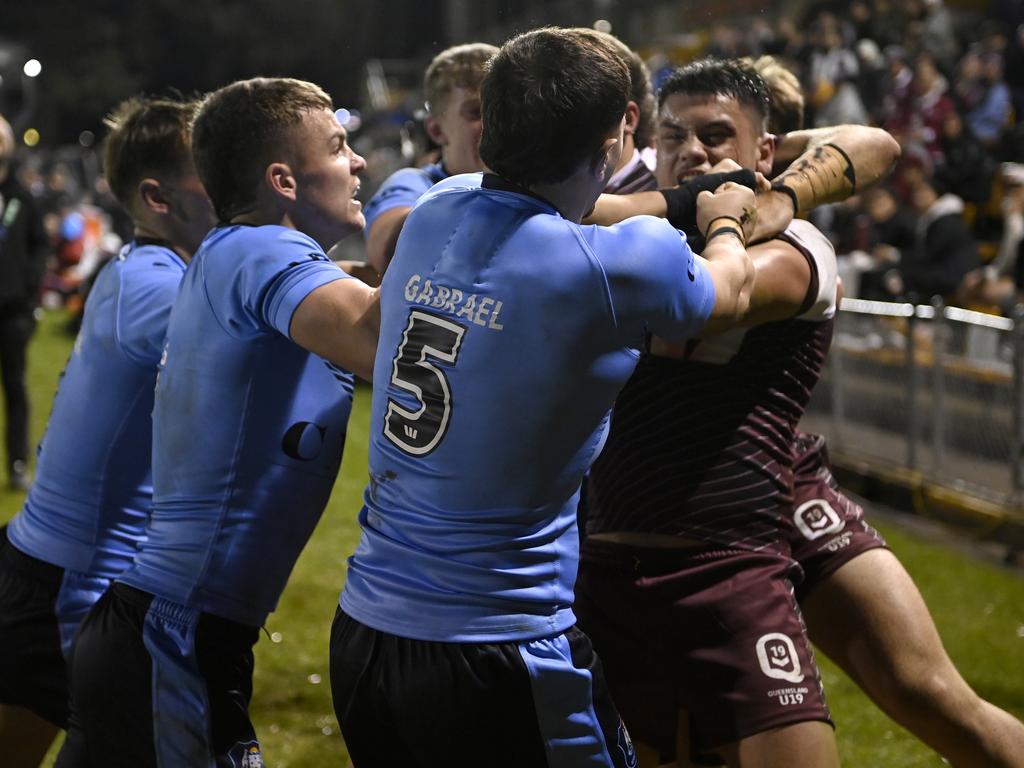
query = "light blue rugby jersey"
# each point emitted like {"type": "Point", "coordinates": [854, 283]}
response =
{"type": "Point", "coordinates": [506, 333]}
{"type": "Point", "coordinates": [401, 189]}
{"type": "Point", "coordinates": [248, 427]}
{"type": "Point", "coordinates": [87, 509]}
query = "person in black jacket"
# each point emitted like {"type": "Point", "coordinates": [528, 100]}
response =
{"type": "Point", "coordinates": [23, 247]}
{"type": "Point", "coordinates": [944, 249]}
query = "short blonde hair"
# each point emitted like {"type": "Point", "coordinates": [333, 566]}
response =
{"type": "Point", "coordinates": [461, 66]}
{"type": "Point", "coordinates": [787, 107]}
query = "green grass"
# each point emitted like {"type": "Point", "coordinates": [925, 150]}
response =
{"type": "Point", "coordinates": [979, 609]}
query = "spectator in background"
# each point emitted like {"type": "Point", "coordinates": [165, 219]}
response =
{"type": "Point", "coordinates": [832, 75]}
{"type": "Point", "coordinates": [936, 33]}
{"type": "Point", "coordinates": [991, 113]}
{"type": "Point", "coordinates": [1000, 284]}
{"type": "Point", "coordinates": [876, 235]}
{"type": "Point", "coordinates": [23, 249]}
{"type": "Point", "coordinates": [966, 165]}
{"type": "Point", "coordinates": [944, 248]}
{"type": "Point", "coordinates": [920, 119]}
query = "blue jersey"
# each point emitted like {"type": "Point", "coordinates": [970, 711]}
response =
{"type": "Point", "coordinates": [506, 333]}
{"type": "Point", "coordinates": [88, 507]}
{"type": "Point", "coordinates": [248, 427]}
{"type": "Point", "coordinates": [401, 190]}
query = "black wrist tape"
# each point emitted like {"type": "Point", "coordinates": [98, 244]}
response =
{"type": "Point", "coordinates": [681, 201]}
{"type": "Point", "coordinates": [778, 186]}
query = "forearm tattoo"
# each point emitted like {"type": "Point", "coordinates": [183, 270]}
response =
{"type": "Point", "coordinates": [826, 176]}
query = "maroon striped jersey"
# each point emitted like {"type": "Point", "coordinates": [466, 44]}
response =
{"type": "Point", "coordinates": [632, 177]}
{"type": "Point", "coordinates": [701, 445]}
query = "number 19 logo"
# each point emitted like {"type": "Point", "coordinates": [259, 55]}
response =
{"type": "Point", "coordinates": [426, 338]}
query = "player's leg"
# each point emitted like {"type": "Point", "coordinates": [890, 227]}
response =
{"type": "Point", "coordinates": [869, 617]}
{"type": "Point", "coordinates": [24, 737]}
{"type": "Point", "coordinates": [807, 745]}
{"type": "Point", "coordinates": [16, 327]}
{"type": "Point", "coordinates": [33, 676]}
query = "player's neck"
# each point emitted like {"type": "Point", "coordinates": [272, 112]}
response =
{"type": "Point", "coordinates": [573, 197]}
{"type": "Point", "coordinates": [144, 232]}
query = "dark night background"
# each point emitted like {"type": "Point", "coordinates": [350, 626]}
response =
{"type": "Point", "coordinates": [98, 52]}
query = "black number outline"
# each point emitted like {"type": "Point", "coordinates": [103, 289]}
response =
{"type": "Point", "coordinates": [417, 357]}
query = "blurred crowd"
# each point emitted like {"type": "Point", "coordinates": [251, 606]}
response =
{"type": "Point", "coordinates": [947, 83]}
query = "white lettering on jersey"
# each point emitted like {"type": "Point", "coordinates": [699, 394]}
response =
{"type": "Point", "coordinates": [480, 310]}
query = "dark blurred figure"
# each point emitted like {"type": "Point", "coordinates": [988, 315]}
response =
{"type": "Point", "coordinates": [944, 250]}
{"type": "Point", "coordinates": [23, 248]}
{"type": "Point", "coordinates": [876, 233]}
{"type": "Point", "coordinates": [966, 165]}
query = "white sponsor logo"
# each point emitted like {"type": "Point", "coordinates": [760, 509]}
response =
{"type": "Point", "coordinates": [789, 696]}
{"type": "Point", "coordinates": [839, 542]}
{"type": "Point", "coordinates": [816, 518]}
{"type": "Point", "coordinates": [776, 654]}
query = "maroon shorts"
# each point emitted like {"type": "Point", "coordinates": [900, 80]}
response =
{"type": "Point", "coordinates": [716, 633]}
{"type": "Point", "coordinates": [825, 530]}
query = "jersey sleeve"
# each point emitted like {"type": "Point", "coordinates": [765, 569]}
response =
{"type": "Point", "coordinates": [400, 190]}
{"type": "Point", "coordinates": [655, 283]}
{"type": "Point", "coordinates": [275, 278]}
{"type": "Point", "coordinates": [145, 308]}
{"type": "Point", "coordinates": [820, 303]}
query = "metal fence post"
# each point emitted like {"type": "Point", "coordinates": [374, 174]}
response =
{"type": "Point", "coordinates": [940, 339]}
{"type": "Point", "coordinates": [835, 366]}
{"type": "Point", "coordinates": [1017, 447]}
{"type": "Point", "coordinates": [913, 383]}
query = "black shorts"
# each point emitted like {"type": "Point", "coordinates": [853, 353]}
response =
{"type": "Point", "coordinates": [33, 673]}
{"type": "Point", "coordinates": [524, 704]}
{"type": "Point", "coordinates": [151, 676]}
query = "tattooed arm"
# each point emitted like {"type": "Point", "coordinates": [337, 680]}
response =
{"type": "Point", "coordinates": [826, 165]}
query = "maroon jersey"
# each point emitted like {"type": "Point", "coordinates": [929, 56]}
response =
{"type": "Point", "coordinates": [701, 446]}
{"type": "Point", "coordinates": [634, 176]}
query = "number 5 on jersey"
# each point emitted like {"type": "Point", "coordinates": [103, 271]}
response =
{"type": "Point", "coordinates": [426, 338]}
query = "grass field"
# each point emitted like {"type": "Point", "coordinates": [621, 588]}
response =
{"type": "Point", "coordinates": [979, 609]}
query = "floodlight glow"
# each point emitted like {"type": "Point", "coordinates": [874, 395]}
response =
{"type": "Point", "coordinates": [32, 68]}
{"type": "Point", "coordinates": [30, 137]}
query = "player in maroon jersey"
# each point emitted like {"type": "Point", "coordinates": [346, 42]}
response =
{"type": "Point", "coordinates": [686, 580]}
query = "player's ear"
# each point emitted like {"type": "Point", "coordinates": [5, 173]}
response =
{"type": "Point", "coordinates": [152, 196]}
{"type": "Point", "coordinates": [606, 158]}
{"type": "Point", "coordinates": [632, 117]}
{"type": "Point", "coordinates": [281, 180]}
{"type": "Point", "coordinates": [435, 131]}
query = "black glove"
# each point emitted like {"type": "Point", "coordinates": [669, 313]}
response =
{"type": "Point", "coordinates": [682, 200]}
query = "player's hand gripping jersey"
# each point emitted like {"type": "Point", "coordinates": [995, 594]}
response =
{"type": "Point", "coordinates": [248, 427]}
{"type": "Point", "coordinates": [506, 333]}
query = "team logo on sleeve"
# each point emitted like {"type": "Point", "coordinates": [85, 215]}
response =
{"type": "Point", "coordinates": [246, 754]}
{"type": "Point", "coordinates": [776, 653]}
{"type": "Point", "coordinates": [817, 518]}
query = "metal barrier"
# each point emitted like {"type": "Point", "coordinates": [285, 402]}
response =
{"type": "Point", "coordinates": [937, 391]}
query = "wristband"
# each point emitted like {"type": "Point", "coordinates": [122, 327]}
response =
{"type": "Point", "coordinates": [681, 202]}
{"type": "Point", "coordinates": [778, 186]}
{"type": "Point", "coordinates": [739, 223]}
{"type": "Point", "coordinates": [725, 231]}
